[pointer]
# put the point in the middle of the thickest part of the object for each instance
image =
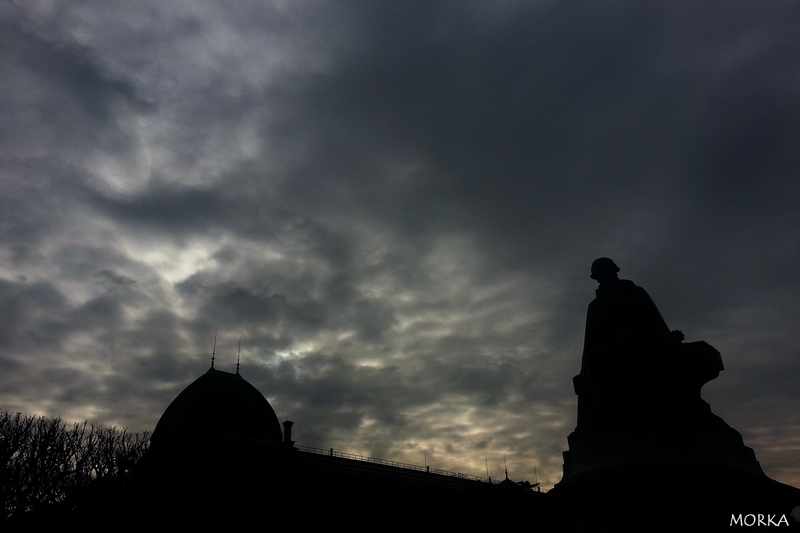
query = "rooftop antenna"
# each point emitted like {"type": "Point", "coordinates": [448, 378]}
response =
{"type": "Point", "coordinates": [239, 355]}
{"type": "Point", "coordinates": [214, 351]}
{"type": "Point", "coordinates": [486, 459]}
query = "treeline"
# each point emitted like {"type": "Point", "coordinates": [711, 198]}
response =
{"type": "Point", "coordinates": [47, 464]}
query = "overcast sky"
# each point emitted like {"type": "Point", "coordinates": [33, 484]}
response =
{"type": "Point", "coordinates": [395, 205]}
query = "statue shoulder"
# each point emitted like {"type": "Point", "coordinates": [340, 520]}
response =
{"type": "Point", "coordinates": [628, 287]}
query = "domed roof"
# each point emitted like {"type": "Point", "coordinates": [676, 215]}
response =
{"type": "Point", "coordinates": [217, 406]}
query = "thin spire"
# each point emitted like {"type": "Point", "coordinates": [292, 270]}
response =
{"type": "Point", "coordinates": [505, 465]}
{"type": "Point", "coordinates": [214, 351]}
{"type": "Point", "coordinates": [239, 355]}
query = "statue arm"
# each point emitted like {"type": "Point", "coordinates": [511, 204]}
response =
{"type": "Point", "coordinates": [655, 324]}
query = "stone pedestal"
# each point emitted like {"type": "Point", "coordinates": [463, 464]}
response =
{"type": "Point", "coordinates": [635, 438]}
{"type": "Point", "coordinates": [660, 460]}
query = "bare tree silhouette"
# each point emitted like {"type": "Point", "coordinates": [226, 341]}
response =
{"type": "Point", "coordinates": [46, 461]}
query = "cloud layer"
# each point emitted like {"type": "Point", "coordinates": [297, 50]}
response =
{"type": "Point", "coordinates": [395, 206]}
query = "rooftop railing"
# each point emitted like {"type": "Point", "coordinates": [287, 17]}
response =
{"type": "Point", "coordinates": [330, 452]}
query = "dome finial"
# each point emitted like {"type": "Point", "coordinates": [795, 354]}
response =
{"type": "Point", "coordinates": [238, 356]}
{"type": "Point", "coordinates": [214, 350]}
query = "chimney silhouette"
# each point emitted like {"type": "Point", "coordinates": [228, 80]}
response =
{"type": "Point", "coordinates": [287, 433]}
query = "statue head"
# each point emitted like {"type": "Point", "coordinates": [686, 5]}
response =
{"type": "Point", "coordinates": [604, 269]}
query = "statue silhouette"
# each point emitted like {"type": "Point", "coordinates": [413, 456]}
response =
{"type": "Point", "coordinates": [645, 440]}
{"type": "Point", "coordinates": [631, 360]}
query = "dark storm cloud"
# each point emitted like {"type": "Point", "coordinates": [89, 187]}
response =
{"type": "Point", "coordinates": [167, 207]}
{"type": "Point", "coordinates": [31, 313]}
{"type": "Point", "coordinates": [58, 97]}
{"type": "Point", "coordinates": [395, 206]}
{"type": "Point", "coordinates": [495, 113]}
{"type": "Point", "coordinates": [68, 69]}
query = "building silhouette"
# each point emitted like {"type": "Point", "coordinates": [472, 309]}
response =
{"type": "Point", "coordinates": [218, 455]}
